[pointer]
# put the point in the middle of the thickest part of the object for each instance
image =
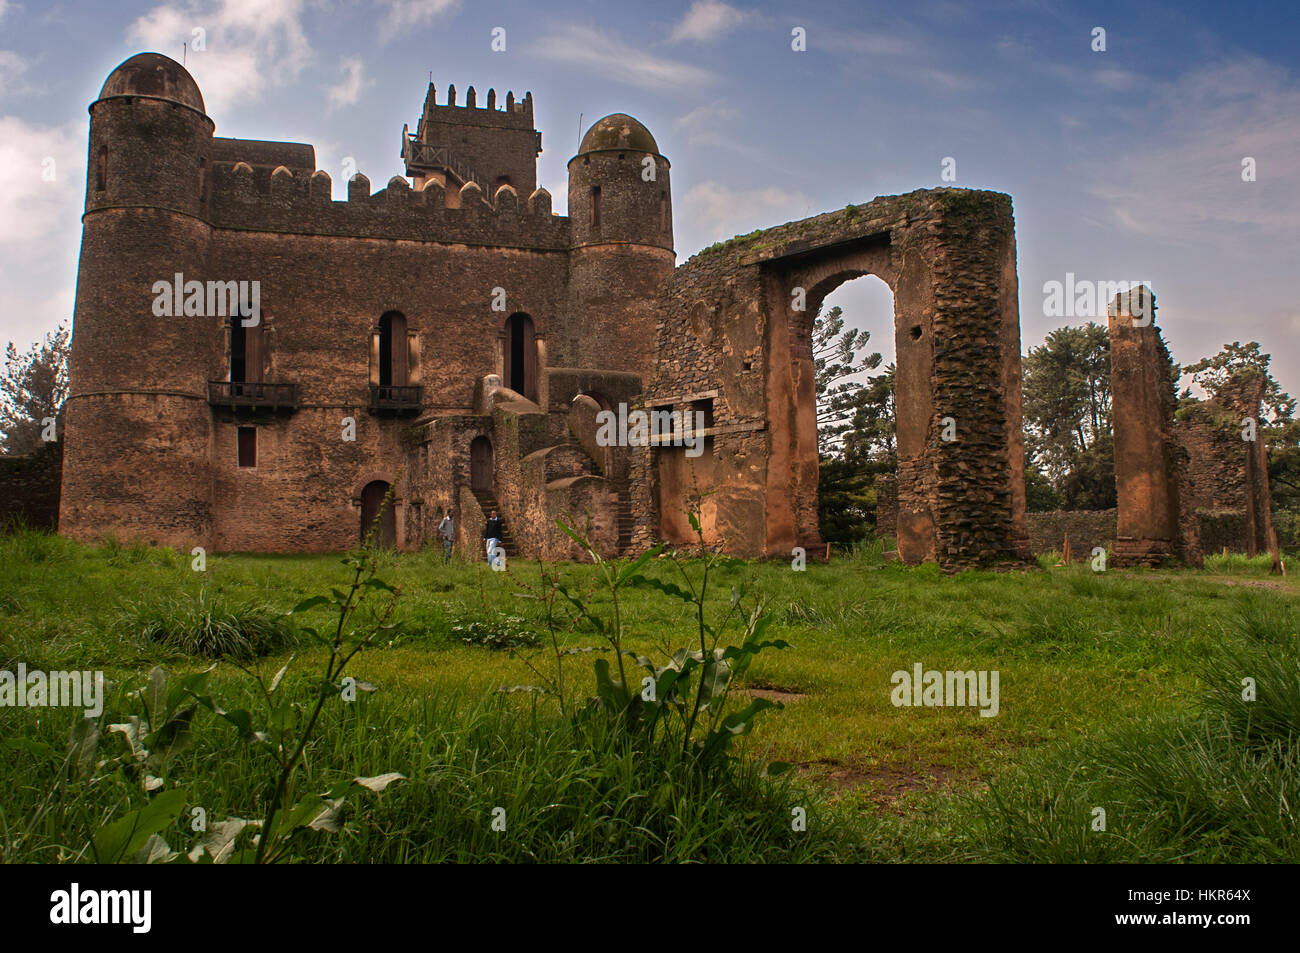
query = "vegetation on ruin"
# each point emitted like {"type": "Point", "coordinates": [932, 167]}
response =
{"type": "Point", "coordinates": [1119, 690]}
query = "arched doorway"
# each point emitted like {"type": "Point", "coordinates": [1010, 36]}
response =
{"type": "Point", "coordinates": [519, 355]}
{"type": "Point", "coordinates": [372, 500]}
{"type": "Point", "coordinates": [480, 464]}
{"type": "Point", "coordinates": [853, 329]}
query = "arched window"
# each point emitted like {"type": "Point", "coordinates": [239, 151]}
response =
{"type": "Point", "coordinates": [392, 349]}
{"type": "Point", "coordinates": [520, 355]}
{"type": "Point", "coordinates": [101, 169]}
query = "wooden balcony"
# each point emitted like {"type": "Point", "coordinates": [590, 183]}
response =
{"type": "Point", "coordinates": [395, 398]}
{"type": "Point", "coordinates": [253, 395]}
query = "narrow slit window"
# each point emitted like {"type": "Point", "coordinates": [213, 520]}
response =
{"type": "Point", "coordinates": [595, 206]}
{"type": "Point", "coordinates": [101, 169]}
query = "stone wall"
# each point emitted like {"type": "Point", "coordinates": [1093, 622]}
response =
{"type": "Point", "coordinates": [1087, 530]}
{"type": "Point", "coordinates": [732, 326]}
{"type": "Point", "coordinates": [29, 487]}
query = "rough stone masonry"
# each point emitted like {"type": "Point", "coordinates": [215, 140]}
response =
{"type": "Point", "coordinates": [442, 344]}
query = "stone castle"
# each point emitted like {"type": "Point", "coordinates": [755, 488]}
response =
{"type": "Point", "coordinates": [452, 340]}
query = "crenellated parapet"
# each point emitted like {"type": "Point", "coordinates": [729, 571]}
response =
{"type": "Point", "coordinates": [285, 200]}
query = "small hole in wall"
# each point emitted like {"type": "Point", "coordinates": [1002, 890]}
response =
{"type": "Point", "coordinates": [916, 332]}
{"type": "Point", "coordinates": [749, 365]}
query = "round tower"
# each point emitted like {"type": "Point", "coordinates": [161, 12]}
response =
{"type": "Point", "coordinates": [138, 424]}
{"type": "Point", "coordinates": [620, 212]}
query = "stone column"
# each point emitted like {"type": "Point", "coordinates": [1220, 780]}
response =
{"type": "Point", "coordinates": [1142, 395]}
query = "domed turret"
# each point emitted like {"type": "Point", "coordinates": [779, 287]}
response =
{"type": "Point", "coordinates": [619, 187]}
{"type": "Point", "coordinates": [620, 213]}
{"type": "Point", "coordinates": [155, 75]}
{"type": "Point", "coordinates": [150, 157]}
{"type": "Point", "coordinates": [618, 132]}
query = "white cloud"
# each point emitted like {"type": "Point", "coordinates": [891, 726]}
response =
{"type": "Point", "coordinates": [715, 212]}
{"type": "Point", "coordinates": [12, 67]}
{"type": "Point", "coordinates": [607, 56]}
{"type": "Point", "coordinates": [708, 20]}
{"type": "Point", "coordinates": [42, 194]}
{"type": "Point", "coordinates": [42, 181]}
{"type": "Point", "coordinates": [1181, 176]}
{"type": "Point", "coordinates": [410, 14]}
{"type": "Point", "coordinates": [348, 91]}
{"type": "Point", "coordinates": [250, 45]}
{"type": "Point", "coordinates": [702, 125]}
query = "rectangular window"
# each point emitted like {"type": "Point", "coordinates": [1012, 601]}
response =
{"type": "Point", "coordinates": [595, 206]}
{"type": "Point", "coordinates": [248, 446]}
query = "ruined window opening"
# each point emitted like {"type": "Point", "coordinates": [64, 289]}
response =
{"type": "Point", "coordinates": [595, 206]}
{"type": "Point", "coordinates": [392, 349]}
{"type": "Point", "coordinates": [101, 169]}
{"type": "Point", "coordinates": [705, 407]}
{"type": "Point", "coordinates": [247, 446]}
{"type": "Point", "coordinates": [916, 332]}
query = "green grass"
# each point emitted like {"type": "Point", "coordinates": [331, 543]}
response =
{"type": "Point", "coordinates": [1115, 693]}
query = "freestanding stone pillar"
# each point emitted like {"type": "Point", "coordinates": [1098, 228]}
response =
{"type": "Point", "coordinates": [1148, 461]}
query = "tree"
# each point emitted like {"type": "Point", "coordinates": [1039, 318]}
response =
{"type": "Point", "coordinates": [1279, 429]}
{"type": "Point", "coordinates": [1067, 408]}
{"type": "Point", "coordinates": [834, 352]}
{"type": "Point", "coordinates": [855, 428]}
{"type": "Point", "coordinates": [1234, 360]}
{"type": "Point", "coordinates": [32, 390]}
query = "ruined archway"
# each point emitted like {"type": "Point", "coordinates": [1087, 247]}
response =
{"type": "Point", "coordinates": [948, 255]}
{"type": "Point", "coordinates": [855, 413]}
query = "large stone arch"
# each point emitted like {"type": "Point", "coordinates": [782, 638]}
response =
{"type": "Point", "coordinates": [948, 256]}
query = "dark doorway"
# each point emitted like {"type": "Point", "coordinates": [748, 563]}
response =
{"type": "Point", "coordinates": [480, 464]}
{"type": "Point", "coordinates": [521, 356]}
{"type": "Point", "coordinates": [392, 349]}
{"type": "Point", "coordinates": [245, 348]}
{"type": "Point", "coordinates": [372, 498]}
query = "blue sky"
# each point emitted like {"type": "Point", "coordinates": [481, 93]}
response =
{"type": "Point", "coordinates": [1123, 164]}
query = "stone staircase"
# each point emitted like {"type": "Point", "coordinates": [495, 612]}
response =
{"type": "Point", "coordinates": [624, 519]}
{"type": "Point", "coordinates": [487, 502]}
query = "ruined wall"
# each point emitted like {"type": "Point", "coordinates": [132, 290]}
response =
{"type": "Point", "coordinates": [29, 487]}
{"type": "Point", "coordinates": [731, 324]}
{"type": "Point", "coordinates": [1087, 529]}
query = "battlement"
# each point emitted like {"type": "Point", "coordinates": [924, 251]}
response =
{"type": "Point", "coordinates": [486, 145]}
{"type": "Point", "coordinates": [515, 115]}
{"type": "Point", "coordinates": [300, 204]}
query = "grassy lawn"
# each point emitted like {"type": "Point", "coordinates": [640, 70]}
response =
{"type": "Point", "coordinates": [1092, 667]}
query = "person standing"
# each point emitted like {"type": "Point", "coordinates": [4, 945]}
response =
{"type": "Point", "coordinates": [492, 534]}
{"type": "Point", "coordinates": [447, 532]}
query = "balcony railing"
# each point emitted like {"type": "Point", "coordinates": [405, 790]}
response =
{"type": "Point", "coordinates": [395, 398]}
{"type": "Point", "coordinates": [255, 395]}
